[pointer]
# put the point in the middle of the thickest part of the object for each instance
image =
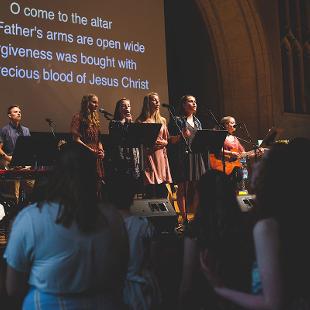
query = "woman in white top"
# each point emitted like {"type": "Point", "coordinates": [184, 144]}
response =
{"type": "Point", "coordinates": [67, 250]}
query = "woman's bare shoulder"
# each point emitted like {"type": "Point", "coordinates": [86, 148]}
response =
{"type": "Point", "coordinates": [265, 227]}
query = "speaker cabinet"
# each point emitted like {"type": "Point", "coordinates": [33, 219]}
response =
{"type": "Point", "coordinates": [159, 211]}
{"type": "Point", "coordinates": [246, 202]}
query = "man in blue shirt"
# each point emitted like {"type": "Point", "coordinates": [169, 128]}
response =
{"type": "Point", "coordinates": [10, 133]}
{"type": "Point", "coordinates": [8, 137]}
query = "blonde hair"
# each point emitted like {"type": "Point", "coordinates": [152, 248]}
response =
{"type": "Point", "coordinates": [88, 117]}
{"type": "Point", "coordinates": [226, 119]}
{"type": "Point", "coordinates": [146, 111]}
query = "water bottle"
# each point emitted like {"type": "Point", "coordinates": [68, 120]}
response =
{"type": "Point", "coordinates": [245, 174]}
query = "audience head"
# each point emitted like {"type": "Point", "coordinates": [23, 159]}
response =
{"type": "Point", "coordinates": [220, 229]}
{"type": "Point", "coordinates": [282, 192]}
{"type": "Point", "coordinates": [218, 213]}
{"type": "Point", "coordinates": [188, 105]}
{"type": "Point", "coordinates": [121, 189]}
{"type": "Point", "coordinates": [278, 178]}
{"type": "Point", "coordinates": [73, 184]}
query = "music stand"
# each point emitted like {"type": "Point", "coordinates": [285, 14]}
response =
{"type": "Point", "coordinates": [208, 140]}
{"type": "Point", "coordinates": [136, 135]}
{"type": "Point", "coordinates": [34, 151]}
{"type": "Point", "coordinates": [142, 134]}
{"type": "Point", "coordinates": [270, 137]}
{"type": "Point", "coordinates": [204, 142]}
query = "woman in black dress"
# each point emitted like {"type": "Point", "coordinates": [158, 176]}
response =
{"type": "Point", "coordinates": [187, 166]}
{"type": "Point", "coordinates": [124, 159]}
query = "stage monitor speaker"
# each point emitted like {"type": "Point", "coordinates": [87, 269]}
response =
{"type": "Point", "coordinates": [246, 202]}
{"type": "Point", "coordinates": [159, 211]}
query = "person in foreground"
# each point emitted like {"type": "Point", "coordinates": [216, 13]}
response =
{"type": "Point", "coordinates": [67, 251]}
{"type": "Point", "coordinates": [141, 289]}
{"type": "Point", "coordinates": [219, 229]}
{"type": "Point", "coordinates": [281, 234]}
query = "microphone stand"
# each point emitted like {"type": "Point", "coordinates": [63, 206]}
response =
{"type": "Point", "coordinates": [255, 146]}
{"type": "Point", "coordinates": [187, 151]}
{"type": "Point", "coordinates": [59, 142]}
{"type": "Point", "coordinates": [188, 148]}
{"type": "Point", "coordinates": [223, 155]}
{"type": "Point", "coordinates": [246, 141]}
{"type": "Point", "coordinates": [108, 118]}
{"type": "Point", "coordinates": [50, 122]}
{"type": "Point", "coordinates": [216, 121]}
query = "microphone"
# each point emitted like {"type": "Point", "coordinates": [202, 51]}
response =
{"type": "Point", "coordinates": [238, 125]}
{"type": "Point", "coordinates": [104, 112]}
{"type": "Point", "coordinates": [49, 121]}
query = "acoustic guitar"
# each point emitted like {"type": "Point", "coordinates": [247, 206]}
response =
{"type": "Point", "coordinates": [172, 196]}
{"type": "Point", "coordinates": [216, 161]}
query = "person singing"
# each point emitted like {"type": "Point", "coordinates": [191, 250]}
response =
{"type": "Point", "coordinates": [85, 129]}
{"type": "Point", "coordinates": [157, 170]}
{"type": "Point", "coordinates": [233, 151]}
{"type": "Point", "coordinates": [188, 167]}
{"type": "Point", "coordinates": [123, 159]}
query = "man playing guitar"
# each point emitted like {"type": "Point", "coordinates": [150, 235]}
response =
{"type": "Point", "coordinates": [233, 149]}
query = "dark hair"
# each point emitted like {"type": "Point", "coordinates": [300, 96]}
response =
{"type": "Point", "coordinates": [282, 192]}
{"type": "Point", "coordinates": [278, 181]}
{"type": "Point", "coordinates": [220, 228]}
{"type": "Point", "coordinates": [74, 185]}
{"type": "Point", "coordinates": [11, 107]}
{"type": "Point", "coordinates": [121, 189]}
{"type": "Point", "coordinates": [218, 212]}
{"type": "Point", "coordinates": [183, 99]}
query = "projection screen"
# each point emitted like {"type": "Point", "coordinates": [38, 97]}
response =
{"type": "Point", "coordinates": [54, 52]}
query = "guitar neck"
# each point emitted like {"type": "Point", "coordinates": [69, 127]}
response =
{"type": "Point", "coordinates": [248, 153]}
{"type": "Point", "coordinates": [251, 152]}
